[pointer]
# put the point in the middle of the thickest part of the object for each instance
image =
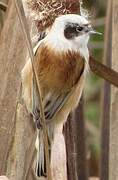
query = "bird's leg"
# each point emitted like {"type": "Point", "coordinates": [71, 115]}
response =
{"type": "Point", "coordinates": [37, 119]}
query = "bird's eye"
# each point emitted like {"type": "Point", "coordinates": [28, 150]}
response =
{"type": "Point", "coordinates": [79, 28]}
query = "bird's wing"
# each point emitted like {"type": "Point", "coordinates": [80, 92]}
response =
{"type": "Point", "coordinates": [52, 101]}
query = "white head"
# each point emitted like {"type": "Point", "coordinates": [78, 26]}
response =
{"type": "Point", "coordinates": [69, 32]}
{"type": "Point", "coordinates": [72, 27]}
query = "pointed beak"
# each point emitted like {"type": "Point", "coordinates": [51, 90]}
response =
{"type": "Point", "coordinates": [94, 32]}
{"type": "Point", "coordinates": [90, 30]}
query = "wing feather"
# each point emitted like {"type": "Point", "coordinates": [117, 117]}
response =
{"type": "Point", "coordinates": [53, 102]}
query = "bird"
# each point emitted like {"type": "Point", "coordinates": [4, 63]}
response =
{"type": "Point", "coordinates": [61, 62]}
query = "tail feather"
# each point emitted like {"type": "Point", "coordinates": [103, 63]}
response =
{"type": "Point", "coordinates": [41, 160]}
{"type": "Point", "coordinates": [40, 164]}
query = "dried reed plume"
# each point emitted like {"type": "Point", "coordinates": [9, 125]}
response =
{"type": "Point", "coordinates": [44, 12]}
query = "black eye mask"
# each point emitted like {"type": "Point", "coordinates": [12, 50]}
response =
{"type": "Point", "coordinates": [72, 30]}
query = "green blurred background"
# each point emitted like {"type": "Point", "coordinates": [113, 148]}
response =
{"type": "Point", "coordinates": [92, 92]}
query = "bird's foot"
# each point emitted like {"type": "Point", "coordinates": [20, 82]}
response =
{"type": "Point", "coordinates": [37, 119]}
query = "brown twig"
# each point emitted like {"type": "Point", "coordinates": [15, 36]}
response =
{"type": "Point", "coordinates": [103, 71]}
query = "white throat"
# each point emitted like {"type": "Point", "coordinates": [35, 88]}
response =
{"type": "Point", "coordinates": [60, 43]}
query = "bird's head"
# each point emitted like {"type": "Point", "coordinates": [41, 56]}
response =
{"type": "Point", "coordinates": [71, 30]}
